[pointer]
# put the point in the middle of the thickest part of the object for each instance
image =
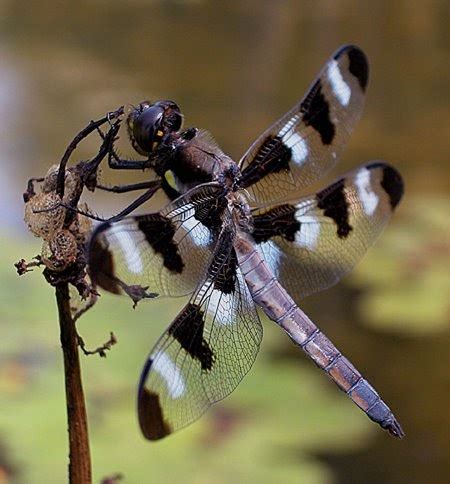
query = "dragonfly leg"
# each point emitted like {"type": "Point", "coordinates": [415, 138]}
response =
{"type": "Point", "coordinates": [126, 188]}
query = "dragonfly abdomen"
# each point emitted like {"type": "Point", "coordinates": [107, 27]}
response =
{"type": "Point", "coordinates": [274, 300]}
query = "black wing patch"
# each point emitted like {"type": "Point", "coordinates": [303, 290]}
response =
{"type": "Point", "coordinates": [163, 253]}
{"type": "Point", "coordinates": [316, 113]}
{"type": "Point", "coordinates": [205, 352]}
{"type": "Point", "coordinates": [159, 232]}
{"type": "Point", "coordinates": [305, 143]}
{"type": "Point", "coordinates": [334, 203]}
{"type": "Point", "coordinates": [188, 330]}
{"type": "Point", "coordinates": [312, 243]}
{"type": "Point", "coordinates": [277, 221]}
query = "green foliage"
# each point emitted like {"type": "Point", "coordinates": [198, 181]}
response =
{"type": "Point", "coordinates": [407, 273]}
{"type": "Point", "coordinates": [268, 430]}
{"type": "Point", "coordinates": [265, 432]}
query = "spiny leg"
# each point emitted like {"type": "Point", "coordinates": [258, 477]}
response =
{"type": "Point", "coordinates": [154, 186]}
{"type": "Point", "coordinates": [92, 126]}
{"type": "Point", "coordinates": [115, 162]}
{"type": "Point", "coordinates": [126, 188]}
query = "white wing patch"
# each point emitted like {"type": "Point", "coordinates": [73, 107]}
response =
{"type": "Point", "coordinates": [309, 231]}
{"type": "Point", "coordinates": [222, 308]}
{"type": "Point", "coordinates": [298, 146]}
{"type": "Point", "coordinates": [340, 88]}
{"type": "Point", "coordinates": [128, 247]}
{"type": "Point", "coordinates": [170, 373]}
{"type": "Point", "coordinates": [289, 126]}
{"type": "Point", "coordinates": [368, 198]}
{"type": "Point", "coordinates": [197, 231]}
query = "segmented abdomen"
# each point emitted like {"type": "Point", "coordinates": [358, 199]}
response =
{"type": "Point", "coordinates": [268, 293]}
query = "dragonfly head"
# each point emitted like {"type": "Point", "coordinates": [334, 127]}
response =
{"type": "Point", "coordinates": [150, 123]}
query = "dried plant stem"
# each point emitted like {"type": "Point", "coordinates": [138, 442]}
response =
{"type": "Point", "coordinates": [79, 453]}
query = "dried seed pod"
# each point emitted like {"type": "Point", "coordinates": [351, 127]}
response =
{"type": "Point", "coordinates": [49, 184]}
{"type": "Point", "coordinates": [44, 224]}
{"type": "Point", "coordinates": [72, 185]}
{"type": "Point", "coordinates": [81, 227]}
{"type": "Point", "coordinates": [60, 250]}
{"type": "Point", "coordinates": [72, 182]}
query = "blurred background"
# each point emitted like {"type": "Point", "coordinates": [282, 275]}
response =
{"type": "Point", "coordinates": [233, 67]}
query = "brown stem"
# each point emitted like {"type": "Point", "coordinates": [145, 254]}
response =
{"type": "Point", "coordinates": [79, 454]}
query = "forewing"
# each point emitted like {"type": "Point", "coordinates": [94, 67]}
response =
{"type": "Point", "coordinates": [312, 243]}
{"type": "Point", "coordinates": [163, 253]}
{"type": "Point", "coordinates": [305, 143]}
{"type": "Point", "coordinates": [205, 352]}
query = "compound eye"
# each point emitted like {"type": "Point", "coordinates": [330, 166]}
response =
{"type": "Point", "coordinates": [147, 128]}
{"type": "Point", "coordinates": [173, 119]}
{"type": "Point", "coordinates": [149, 123]}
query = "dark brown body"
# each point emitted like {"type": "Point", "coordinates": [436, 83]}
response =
{"type": "Point", "coordinates": [195, 161]}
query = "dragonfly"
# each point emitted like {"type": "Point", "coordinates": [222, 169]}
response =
{"type": "Point", "coordinates": [237, 236]}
